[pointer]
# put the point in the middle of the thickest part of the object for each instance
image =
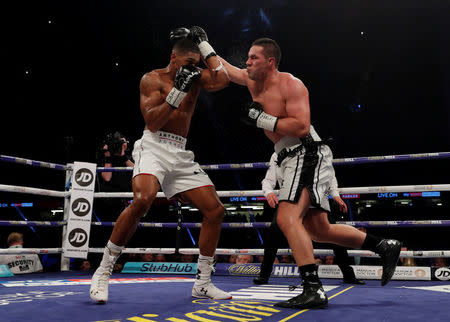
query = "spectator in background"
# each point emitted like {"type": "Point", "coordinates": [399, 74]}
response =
{"type": "Point", "coordinates": [232, 258]}
{"type": "Point", "coordinates": [407, 261]}
{"type": "Point", "coordinates": [117, 267]}
{"type": "Point", "coordinates": [244, 259]}
{"type": "Point", "coordinates": [287, 259]}
{"type": "Point", "coordinates": [147, 257]}
{"type": "Point", "coordinates": [133, 257]}
{"type": "Point", "coordinates": [439, 262]}
{"type": "Point", "coordinates": [20, 264]}
{"type": "Point", "coordinates": [329, 260]}
{"type": "Point", "coordinates": [187, 258]}
{"type": "Point", "coordinates": [85, 265]}
{"type": "Point", "coordinates": [159, 258]}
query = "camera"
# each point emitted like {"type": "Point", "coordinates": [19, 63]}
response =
{"type": "Point", "coordinates": [114, 143]}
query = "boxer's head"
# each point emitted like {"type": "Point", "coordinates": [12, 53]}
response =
{"type": "Point", "coordinates": [184, 52]}
{"type": "Point", "coordinates": [263, 56]}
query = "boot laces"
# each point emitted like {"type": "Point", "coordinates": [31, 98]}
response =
{"type": "Point", "coordinates": [293, 287]}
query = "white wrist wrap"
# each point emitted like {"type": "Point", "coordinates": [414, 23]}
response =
{"type": "Point", "coordinates": [206, 50]}
{"type": "Point", "coordinates": [221, 67]}
{"type": "Point", "coordinates": [266, 121]}
{"type": "Point", "coordinates": [175, 97]}
{"type": "Point", "coordinates": [218, 67]}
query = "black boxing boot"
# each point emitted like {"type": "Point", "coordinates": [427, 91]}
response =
{"type": "Point", "coordinates": [389, 250]}
{"type": "Point", "coordinates": [313, 295]}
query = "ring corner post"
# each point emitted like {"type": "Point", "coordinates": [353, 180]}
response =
{"type": "Point", "coordinates": [65, 261]}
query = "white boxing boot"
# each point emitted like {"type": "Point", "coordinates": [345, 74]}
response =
{"type": "Point", "coordinates": [203, 287]}
{"type": "Point", "coordinates": [100, 279]}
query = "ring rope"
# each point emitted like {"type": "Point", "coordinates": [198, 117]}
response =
{"type": "Point", "coordinates": [258, 193]}
{"type": "Point", "coordinates": [232, 193]}
{"type": "Point", "coordinates": [392, 158]}
{"type": "Point", "coordinates": [38, 251]}
{"type": "Point", "coordinates": [32, 223]}
{"type": "Point", "coordinates": [251, 165]}
{"type": "Point", "coordinates": [341, 161]}
{"type": "Point", "coordinates": [33, 191]}
{"type": "Point", "coordinates": [225, 251]}
{"type": "Point", "coordinates": [367, 224]}
{"type": "Point", "coordinates": [33, 163]}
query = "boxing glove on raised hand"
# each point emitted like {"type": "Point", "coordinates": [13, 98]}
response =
{"type": "Point", "coordinates": [255, 116]}
{"type": "Point", "coordinates": [184, 79]}
{"type": "Point", "coordinates": [178, 34]}
{"type": "Point", "coordinates": [198, 35]}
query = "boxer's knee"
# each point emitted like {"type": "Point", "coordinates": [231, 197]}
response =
{"type": "Point", "coordinates": [141, 204]}
{"type": "Point", "coordinates": [284, 222]}
{"type": "Point", "coordinates": [214, 214]}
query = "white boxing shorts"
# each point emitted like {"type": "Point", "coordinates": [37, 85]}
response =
{"type": "Point", "coordinates": [163, 155]}
{"type": "Point", "coordinates": [310, 167]}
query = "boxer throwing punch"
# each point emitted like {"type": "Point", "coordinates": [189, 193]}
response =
{"type": "Point", "coordinates": [281, 108]}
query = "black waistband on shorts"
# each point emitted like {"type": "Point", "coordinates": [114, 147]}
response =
{"type": "Point", "coordinates": [288, 152]}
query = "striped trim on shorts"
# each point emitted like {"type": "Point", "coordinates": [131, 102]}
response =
{"type": "Point", "coordinates": [310, 168]}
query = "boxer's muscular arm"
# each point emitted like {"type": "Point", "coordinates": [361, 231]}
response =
{"type": "Point", "coordinates": [237, 75]}
{"type": "Point", "coordinates": [213, 79]}
{"type": "Point", "coordinates": [297, 123]}
{"type": "Point", "coordinates": [155, 113]}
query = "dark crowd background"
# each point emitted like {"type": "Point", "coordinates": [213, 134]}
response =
{"type": "Point", "coordinates": [378, 74]}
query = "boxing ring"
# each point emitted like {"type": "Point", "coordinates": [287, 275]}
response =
{"type": "Point", "coordinates": [64, 295]}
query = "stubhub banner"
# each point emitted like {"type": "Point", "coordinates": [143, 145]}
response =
{"type": "Point", "coordinates": [4, 271]}
{"type": "Point", "coordinates": [160, 268]}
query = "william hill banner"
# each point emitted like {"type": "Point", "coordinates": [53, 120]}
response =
{"type": "Point", "coordinates": [327, 271]}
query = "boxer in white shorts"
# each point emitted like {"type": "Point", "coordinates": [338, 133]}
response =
{"type": "Point", "coordinates": [163, 155]}
{"type": "Point", "coordinates": [167, 100]}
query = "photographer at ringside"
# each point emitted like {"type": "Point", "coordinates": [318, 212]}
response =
{"type": "Point", "coordinates": [114, 152]}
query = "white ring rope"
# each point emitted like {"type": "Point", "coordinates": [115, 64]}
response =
{"type": "Point", "coordinates": [225, 251]}
{"type": "Point", "coordinates": [33, 191]}
{"type": "Point", "coordinates": [38, 251]}
{"type": "Point", "coordinates": [231, 193]}
{"type": "Point", "coordinates": [138, 250]}
{"type": "Point", "coordinates": [323, 252]}
{"type": "Point", "coordinates": [233, 166]}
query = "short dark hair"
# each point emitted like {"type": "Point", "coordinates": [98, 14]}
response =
{"type": "Point", "coordinates": [270, 49]}
{"type": "Point", "coordinates": [184, 46]}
